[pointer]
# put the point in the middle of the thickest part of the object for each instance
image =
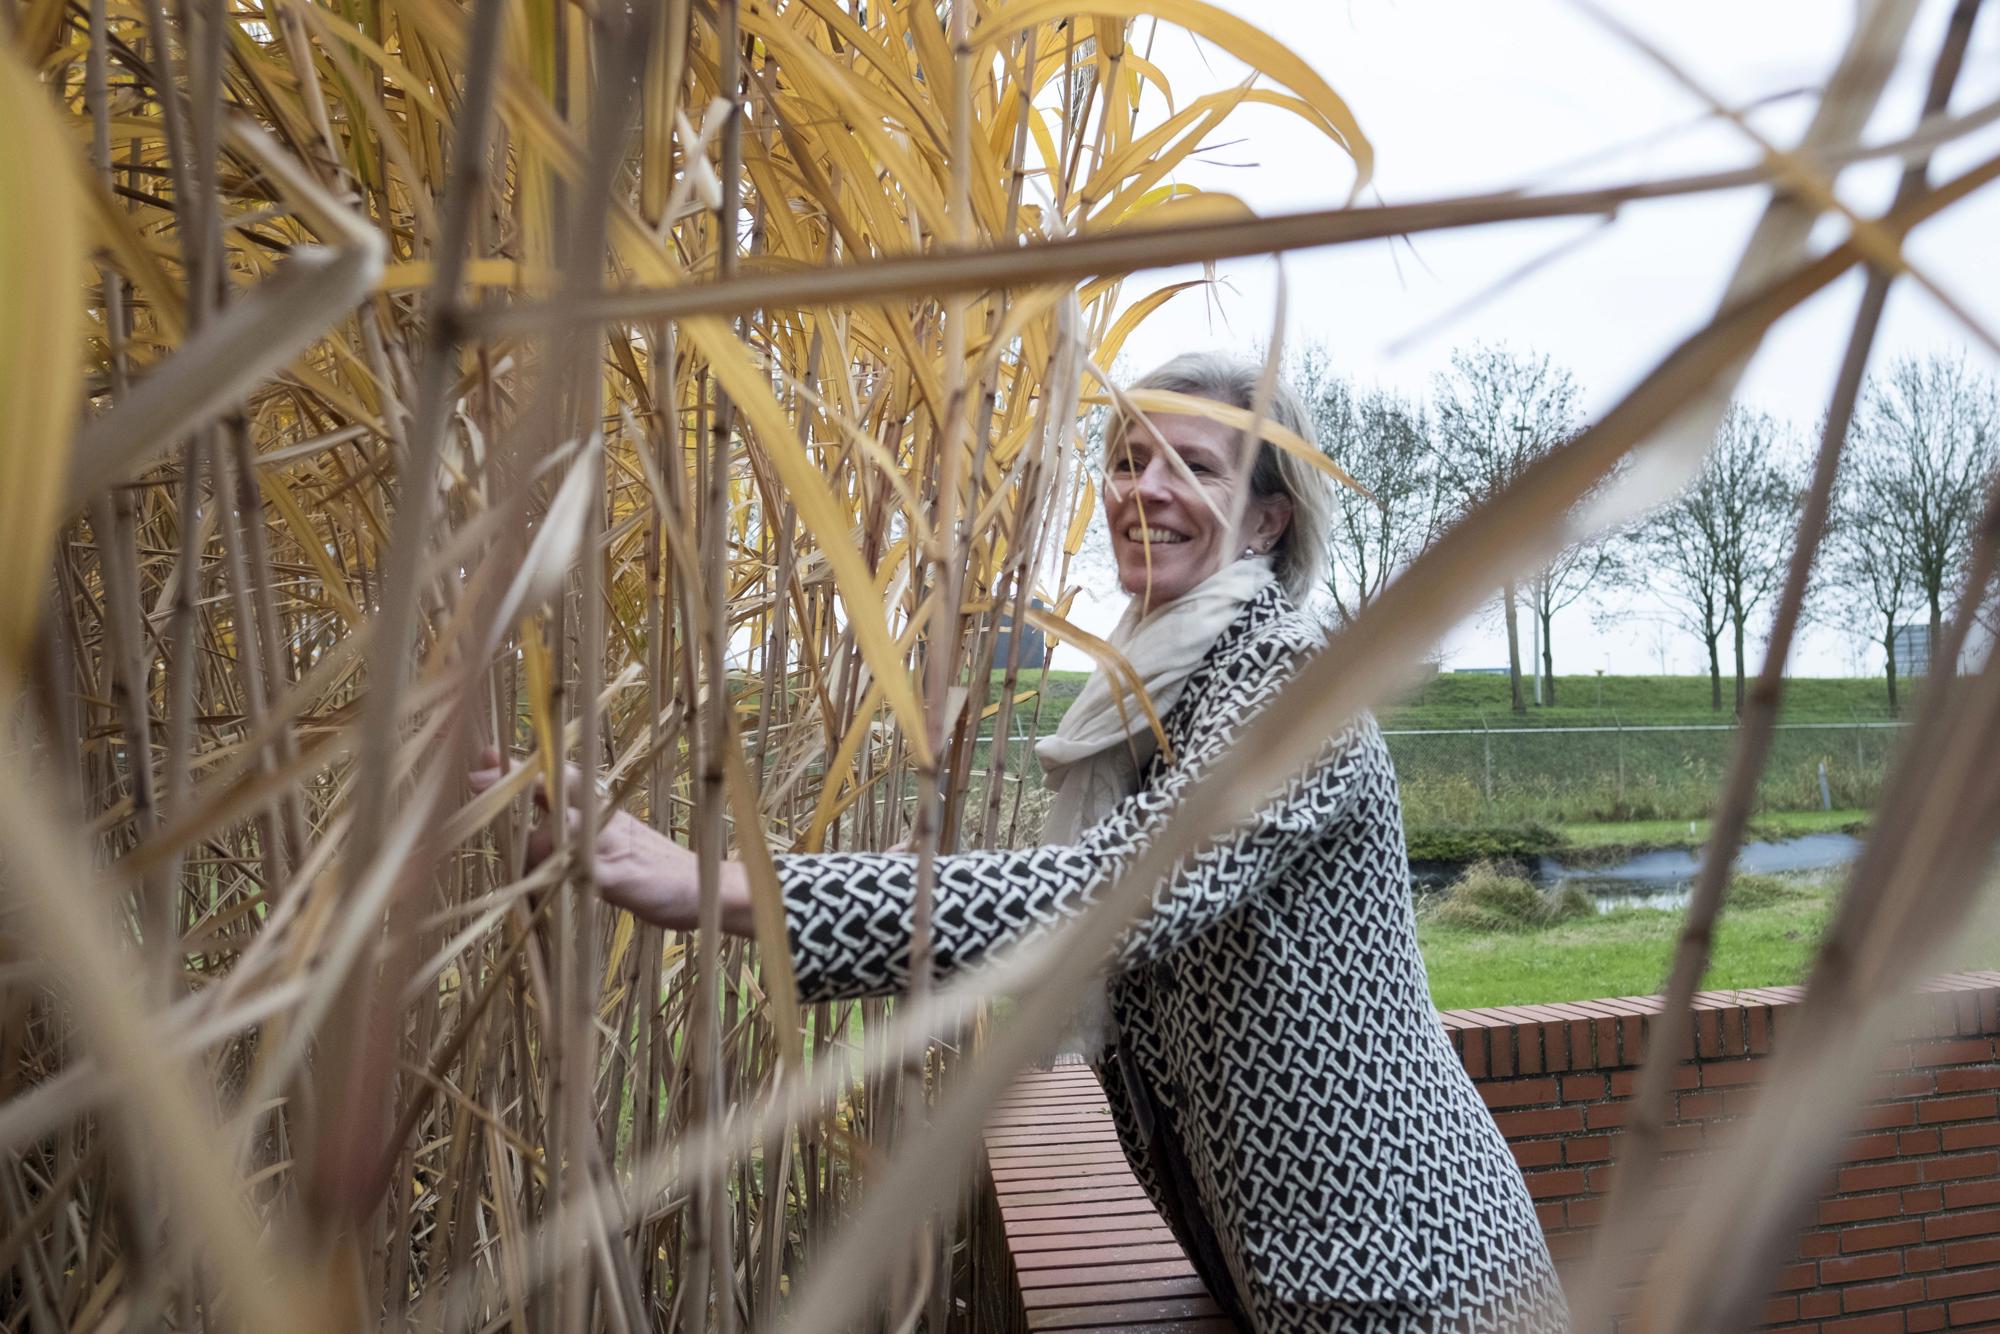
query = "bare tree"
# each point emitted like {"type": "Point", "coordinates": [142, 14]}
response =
{"type": "Point", "coordinates": [1495, 413]}
{"type": "Point", "coordinates": [1866, 585]}
{"type": "Point", "coordinates": [1717, 551]}
{"type": "Point", "coordinates": [1926, 438]}
{"type": "Point", "coordinates": [1382, 441]}
{"type": "Point", "coordinates": [1575, 570]}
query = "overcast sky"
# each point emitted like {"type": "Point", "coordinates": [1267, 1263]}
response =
{"type": "Point", "coordinates": [1460, 96]}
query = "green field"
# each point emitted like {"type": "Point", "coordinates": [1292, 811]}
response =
{"type": "Point", "coordinates": [1466, 700]}
{"type": "Point", "coordinates": [1478, 780]}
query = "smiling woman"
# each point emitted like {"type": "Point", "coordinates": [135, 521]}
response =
{"type": "Point", "coordinates": [1280, 1082]}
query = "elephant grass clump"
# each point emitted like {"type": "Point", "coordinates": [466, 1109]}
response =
{"type": "Point", "coordinates": [1490, 897]}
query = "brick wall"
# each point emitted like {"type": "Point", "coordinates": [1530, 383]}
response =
{"type": "Point", "coordinates": [1909, 1239]}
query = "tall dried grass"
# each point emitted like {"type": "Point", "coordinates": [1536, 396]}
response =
{"type": "Point", "coordinates": [688, 391]}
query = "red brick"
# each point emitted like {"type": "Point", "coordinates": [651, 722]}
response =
{"type": "Point", "coordinates": [1877, 1236]}
{"type": "Point", "coordinates": [1923, 1259]}
{"type": "Point", "coordinates": [1730, 1074]}
{"type": "Point", "coordinates": [1978, 1223]}
{"type": "Point", "coordinates": [1528, 1049]}
{"type": "Point", "coordinates": [1600, 1178]}
{"type": "Point", "coordinates": [1550, 1215]}
{"type": "Point", "coordinates": [1518, 1092]}
{"type": "Point", "coordinates": [1877, 1296]}
{"type": "Point", "coordinates": [1814, 1305]}
{"type": "Point", "coordinates": [1883, 1322]}
{"type": "Point", "coordinates": [1877, 1176]}
{"type": "Point", "coordinates": [1982, 1252]}
{"type": "Point", "coordinates": [1918, 1143]}
{"type": "Point", "coordinates": [1923, 1200]}
{"type": "Point", "coordinates": [1797, 1278]}
{"type": "Point", "coordinates": [1862, 1148]}
{"type": "Point", "coordinates": [1963, 1166]}
{"type": "Point", "coordinates": [1500, 1053]}
{"type": "Point", "coordinates": [1586, 1211]}
{"type": "Point", "coordinates": [1555, 1046]}
{"type": "Point", "coordinates": [1967, 1079]}
{"type": "Point", "coordinates": [1538, 1152]}
{"type": "Point", "coordinates": [1780, 1310]}
{"type": "Point", "coordinates": [1708, 1033]}
{"type": "Point", "coordinates": [1974, 1311]}
{"type": "Point", "coordinates": [1584, 1088]}
{"type": "Point", "coordinates": [1474, 1053]}
{"type": "Point", "coordinates": [1889, 1116]}
{"type": "Point", "coordinates": [1860, 1208]}
{"type": "Point", "coordinates": [1819, 1243]}
{"type": "Point", "coordinates": [1971, 1194]}
{"type": "Point", "coordinates": [1540, 1121]}
{"type": "Point", "coordinates": [1924, 1319]}
{"type": "Point", "coordinates": [1981, 1135]}
{"type": "Point", "coordinates": [1759, 1024]}
{"type": "Point", "coordinates": [1963, 1282]}
{"type": "Point", "coordinates": [1587, 1149]}
{"type": "Point", "coordinates": [1740, 1102]}
{"type": "Point", "coordinates": [1603, 1115]}
{"type": "Point", "coordinates": [1961, 1051]}
{"type": "Point", "coordinates": [1555, 1185]}
{"type": "Point", "coordinates": [1700, 1106]}
{"type": "Point", "coordinates": [1919, 1084]}
{"type": "Point", "coordinates": [1966, 1107]}
{"type": "Point", "coordinates": [1861, 1268]}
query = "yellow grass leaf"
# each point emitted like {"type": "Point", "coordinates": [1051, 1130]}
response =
{"type": "Point", "coordinates": [41, 330]}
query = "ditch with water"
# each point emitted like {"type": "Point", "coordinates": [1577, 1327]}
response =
{"type": "Point", "coordinates": [1662, 878]}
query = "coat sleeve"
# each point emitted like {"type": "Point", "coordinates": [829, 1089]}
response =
{"type": "Point", "coordinates": [848, 915]}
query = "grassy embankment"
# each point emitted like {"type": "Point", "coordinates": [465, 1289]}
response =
{"type": "Point", "coordinates": [1591, 797]}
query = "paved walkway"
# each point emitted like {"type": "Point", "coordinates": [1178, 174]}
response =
{"type": "Point", "coordinates": [1090, 1250]}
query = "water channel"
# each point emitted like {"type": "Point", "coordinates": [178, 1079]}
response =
{"type": "Point", "coordinates": [1662, 878]}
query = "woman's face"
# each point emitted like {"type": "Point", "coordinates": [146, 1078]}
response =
{"type": "Point", "coordinates": [1169, 508]}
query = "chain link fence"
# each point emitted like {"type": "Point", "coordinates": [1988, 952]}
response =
{"type": "Point", "coordinates": [1497, 774]}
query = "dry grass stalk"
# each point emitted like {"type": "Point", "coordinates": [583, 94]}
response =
{"type": "Point", "coordinates": [595, 521]}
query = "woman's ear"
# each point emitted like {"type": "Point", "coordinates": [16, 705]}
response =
{"type": "Point", "coordinates": [1266, 521]}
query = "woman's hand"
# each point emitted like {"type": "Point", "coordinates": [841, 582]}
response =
{"type": "Point", "coordinates": [636, 867]}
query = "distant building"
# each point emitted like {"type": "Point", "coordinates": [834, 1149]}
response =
{"type": "Point", "coordinates": [1034, 644]}
{"type": "Point", "coordinates": [1913, 650]}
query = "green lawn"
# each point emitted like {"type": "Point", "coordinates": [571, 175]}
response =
{"type": "Point", "coordinates": [1620, 953]}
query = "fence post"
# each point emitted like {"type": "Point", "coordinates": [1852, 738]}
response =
{"type": "Point", "coordinates": [1860, 765]}
{"type": "Point", "coordinates": [1825, 793]}
{"type": "Point", "coordinates": [1619, 723]}
{"type": "Point", "coordinates": [1486, 740]}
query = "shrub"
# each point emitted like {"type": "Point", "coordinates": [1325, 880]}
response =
{"type": "Point", "coordinates": [1488, 898]}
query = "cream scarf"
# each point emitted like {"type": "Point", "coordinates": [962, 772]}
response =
{"type": "Point", "coordinates": [1094, 759]}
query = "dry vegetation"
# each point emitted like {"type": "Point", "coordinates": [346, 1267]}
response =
{"type": "Point", "coordinates": [668, 388]}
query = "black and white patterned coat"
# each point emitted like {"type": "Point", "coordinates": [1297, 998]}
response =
{"type": "Point", "coordinates": [1326, 1144]}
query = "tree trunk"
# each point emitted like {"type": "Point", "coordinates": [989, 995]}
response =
{"type": "Point", "coordinates": [1714, 638]}
{"type": "Point", "coordinates": [1937, 633]}
{"type": "Point", "coordinates": [1548, 663]}
{"type": "Point", "coordinates": [1736, 620]}
{"type": "Point", "coordinates": [1515, 699]}
{"type": "Point", "coordinates": [1889, 648]}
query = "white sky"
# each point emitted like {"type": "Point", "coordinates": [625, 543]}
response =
{"type": "Point", "coordinates": [1459, 96]}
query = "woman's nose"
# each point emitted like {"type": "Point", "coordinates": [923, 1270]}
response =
{"type": "Point", "coordinates": [1154, 482]}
